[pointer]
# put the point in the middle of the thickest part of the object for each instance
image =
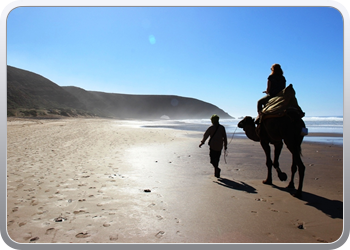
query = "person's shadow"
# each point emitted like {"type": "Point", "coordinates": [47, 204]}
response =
{"type": "Point", "coordinates": [241, 186]}
{"type": "Point", "coordinates": [332, 208]}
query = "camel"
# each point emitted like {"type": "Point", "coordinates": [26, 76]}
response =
{"type": "Point", "coordinates": [276, 130]}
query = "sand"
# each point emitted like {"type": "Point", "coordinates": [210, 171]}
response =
{"type": "Point", "coordinates": [110, 181]}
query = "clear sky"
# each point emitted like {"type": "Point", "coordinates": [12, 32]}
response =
{"type": "Point", "coordinates": [220, 55]}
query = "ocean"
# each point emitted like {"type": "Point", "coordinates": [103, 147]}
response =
{"type": "Point", "coordinates": [320, 128]}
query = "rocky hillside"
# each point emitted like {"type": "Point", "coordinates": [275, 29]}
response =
{"type": "Point", "coordinates": [29, 94]}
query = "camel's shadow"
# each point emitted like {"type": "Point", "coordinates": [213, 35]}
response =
{"type": "Point", "coordinates": [332, 208]}
{"type": "Point", "coordinates": [236, 185]}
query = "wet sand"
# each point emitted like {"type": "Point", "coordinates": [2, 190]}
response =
{"type": "Point", "coordinates": [109, 181]}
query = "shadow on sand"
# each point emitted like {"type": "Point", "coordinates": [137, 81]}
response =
{"type": "Point", "coordinates": [332, 208]}
{"type": "Point", "coordinates": [236, 185]}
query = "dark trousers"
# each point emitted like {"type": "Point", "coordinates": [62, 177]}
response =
{"type": "Point", "coordinates": [214, 157]}
{"type": "Point", "coordinates": [262, 102]}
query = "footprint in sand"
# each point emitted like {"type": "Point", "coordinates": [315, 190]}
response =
{"type": "Point", "coordinates": [34, 239]}
{"type": "Point", "coordinates": [82, 235]}
{"type": "Point", "coordinates": [271, 235]}
{"type": "Point", "coordinates": [27, 236]}
{"type": "Point", "coordinates": [49, 231]}
{"type": "Point", "coordinates": [34, 203]}
{"type": "Point", "coordinates": [160, 234]}
{"type": "Point", "coordinates": [22, 224]}
{"type": "Point", "coordinates": [80, 212]}
{"type": "Point", "coordinates": [113, 237]}
{"type": "Point", "coordinates": [151, 205]}
{"type": "Point", "coordinates": [20, 186]}
{"type": "Point", "coordinates": [60, 219]}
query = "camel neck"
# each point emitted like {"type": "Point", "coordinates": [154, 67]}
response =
{"type": "Point", "coordinates": [251, 133]}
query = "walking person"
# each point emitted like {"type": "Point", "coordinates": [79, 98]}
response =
{"type": "Point", "coordinates": [218, 140]}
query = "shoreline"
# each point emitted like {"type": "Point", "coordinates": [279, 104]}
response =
{"type": "Point", "coordinates": [111, 181]}
{"type": "Point", "coordinates": [155, 124]}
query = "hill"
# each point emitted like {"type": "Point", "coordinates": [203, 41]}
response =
{"type": "Point", "coordinates": [29, 94]}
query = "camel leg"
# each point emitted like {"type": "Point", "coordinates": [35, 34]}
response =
{"type": "Point", "coordinates": [294, 148]}
{"type": "Point", "coordinates": [267, 150]}
{"type": "Point", "coordinates": [301, 169]}
{"type": "Point", "coordinates": [278, 149]}
{"type": "Point", "coordinates": [294, 170]}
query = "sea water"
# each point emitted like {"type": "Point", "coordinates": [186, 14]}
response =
{"type": "Point", "coordinates": [325, 124]}
{"type": "Point", "coordinates": [319, 127]}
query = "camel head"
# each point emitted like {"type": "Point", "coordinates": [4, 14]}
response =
{"type": "Point", "coordinates": [248, 125]}
{"type": "Point", "coordinates": [247, 121]}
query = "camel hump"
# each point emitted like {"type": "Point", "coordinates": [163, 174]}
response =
{"type": "Point", "coordinates": [285, 100]}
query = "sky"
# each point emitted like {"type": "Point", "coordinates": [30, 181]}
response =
{"type": "Point", "coordinates": [220, 55]}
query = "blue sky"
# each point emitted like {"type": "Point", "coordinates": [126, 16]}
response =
{"type": "Point", "coordinates": [220, 55]}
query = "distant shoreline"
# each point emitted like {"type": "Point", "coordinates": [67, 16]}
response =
{"type": "Point", "coordinates": [325, 134]}
{"type": "Point", "coordinates": [334, 138]}
{"type": "Point", "coordinates": [184, 126]}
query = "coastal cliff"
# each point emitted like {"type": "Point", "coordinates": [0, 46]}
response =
{"type": "Point", "coordinates": [30, 94]}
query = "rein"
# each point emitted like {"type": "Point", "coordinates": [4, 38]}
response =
{"type": "Point", "coordinates": [225, 153]}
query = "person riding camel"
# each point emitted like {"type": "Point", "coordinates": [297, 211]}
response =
{"type": "Point", "coordinates": [276, 82]}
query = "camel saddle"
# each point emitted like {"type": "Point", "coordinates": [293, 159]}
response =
{"type": "Point", "coordinates": [281, 104]}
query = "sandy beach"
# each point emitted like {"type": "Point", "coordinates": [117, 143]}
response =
{"type": "Point", "coordinates": [111, 181]}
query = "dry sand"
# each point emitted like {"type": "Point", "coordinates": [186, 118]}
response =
{"type": "Point", "coordinates": [108, 181]}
